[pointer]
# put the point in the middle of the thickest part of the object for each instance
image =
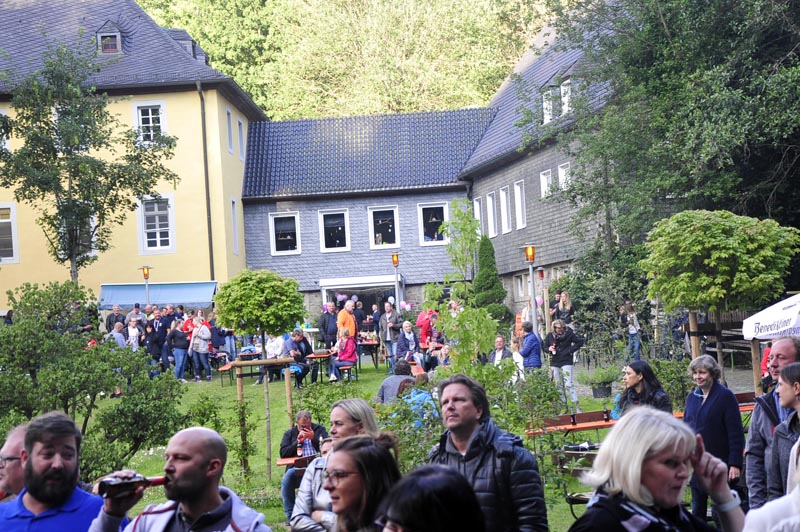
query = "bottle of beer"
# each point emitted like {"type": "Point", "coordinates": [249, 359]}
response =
{"type": "Point", "coordinates": [114, 487]}
{"type": "Point", "coordinates": [606, 417]}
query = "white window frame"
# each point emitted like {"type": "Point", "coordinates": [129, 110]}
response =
{"type": "Point", "coordinates": [546, 182]}
{"type": "Point", "coordinates": [563, 175]}
{"type": "Point", "coordinates": [547, 107]}
{"type": "Point", "coordinates": [240, 128]}
{"type": "Point", "coordinates": [421, 226]}
{"type": "Point", "coordinates": [272, 245]}
{"type": "Point", "coordinates": [229, 122]}
{"type": "Point", "coordinates": [321, 224]}
{"type": "Point", "coordinates": [162, 114]}
{"type": "Point", "coordinates": [520, 209]}
{"type": "Point", "coordinates": [117, 37]}
{"type": "Point", "coordinates": [566, 95]}
{"type": "Point", "coordinates": [491, 215]}
{"type": "Point", "coordinates": [12, 220]}
{"type": "Point", "coordinates": [371, 225]}
{"type": "Point", "coordinates": [235, 225]}
{"type": "Point", "coordinates": [141, 227]}
{"type": "Point", "coordinates": [521, 284]}
{"type": "Point", "coordinates": [477, 213]}
{"type": "Point", "coordinates": [505, 210]}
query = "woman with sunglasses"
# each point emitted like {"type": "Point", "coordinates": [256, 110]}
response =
{"type": "Point", "coordinates": [360, 472]}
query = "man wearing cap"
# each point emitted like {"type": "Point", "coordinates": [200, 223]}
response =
{"type": "Point", "coordinates": [136, 313]}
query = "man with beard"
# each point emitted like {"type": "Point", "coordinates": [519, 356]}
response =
{"type": "Point", "coordinates": [11, 472]}
{"type": "Point", "coordinates": [195, 460]}
{"type": "Point", "coordinates": [51, 499]}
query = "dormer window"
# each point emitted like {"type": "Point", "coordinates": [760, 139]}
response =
{"type": "Point", "coordinates": [109, 43]}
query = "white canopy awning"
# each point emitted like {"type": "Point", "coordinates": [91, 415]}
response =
{"type": "Point", "coordinates": [781, 319]}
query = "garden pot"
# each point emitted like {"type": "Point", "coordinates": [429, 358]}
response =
{"type": "Point", "coordinates": [600, 391]}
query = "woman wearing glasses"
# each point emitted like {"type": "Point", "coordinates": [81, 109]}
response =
{"type": "Point", "coordinates": [312, 506]}
{"type": "Point", "coordinates": [360, 472]}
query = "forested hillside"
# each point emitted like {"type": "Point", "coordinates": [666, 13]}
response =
{"type": "Point", "coordinates": [317, 58]}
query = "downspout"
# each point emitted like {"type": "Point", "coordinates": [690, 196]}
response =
{"type": "Point", "coordinates": [206, 181]}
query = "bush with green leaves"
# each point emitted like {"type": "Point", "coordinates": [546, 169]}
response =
{"type": "Point", "coordinates": [489, 291]}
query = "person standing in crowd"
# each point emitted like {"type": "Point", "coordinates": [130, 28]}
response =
{"type": "Point", "coordinates": [51, 498]}
{"type": "Point", "coordinates": [562, 344]}
{"type": "Point", "coordinates": [565, 310]}
{"type": "Point", "coordinates": [114, 317]}
{"type": "Point", "coordinates": [713, 412]}
{"type": "Point", "coordinates": [312, 508]}
{"type": "Point", "coordinates": [303, 435]}
{"type": "Point", "coordinates": [178, 343]}
{"type": "Point", "coordinates": [346, 319]}
{"type": "Point", "coordinates": [390, 324]}
{"type": "Point", "coordinates": [195, 461]}
{"type": "Point", "coordinates": [502, 472]}
{"type": "Point", "coordinates": [500, 352]}
{"type": "Point", "coordinates": [631, 325]}
{"type": "Point", "coordinates": [360, 472]}
{"type": "Point", "coordinates": [767, 414]}
{"type": "Point", "coordinates": [641, 387]}
{"type": "Point", "coordinates": [783, 465]}
{"type": "Point", "coordinates": [554, 304]}
{"type": "Point", "coordinates": [360, 317]}
{"type": "Point", "coordinates": [327, 325]}
{"type": "Point", "coordinates": [9, 318]}
{"type": "Point", "coordinates": [133, 333]}
{"type": "Point", "coordinates": [531, 351]}
{"type": "Point", "coordinates": [408, 506]}
{"type": "Point", "coordinates": [376, 318]}
{"type": "Point", "coordinates": [11, 473]}
{"type": "Point", "coordinates": [640, 475]}
{"type": "Point", "coordinates": [201, 335]}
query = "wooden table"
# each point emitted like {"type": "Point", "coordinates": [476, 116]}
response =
{"type": "Point", "coordinates": [371, 347]}
{"type": "Point", "coordinates": [322, 357]}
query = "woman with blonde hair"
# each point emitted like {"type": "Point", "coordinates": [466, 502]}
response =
{"type": "Point", "coordinates": [565, 310]}
{"type": "Point", "coordinates": [640, 476]}
{"type": "Point", "coordinates": [343, 354]}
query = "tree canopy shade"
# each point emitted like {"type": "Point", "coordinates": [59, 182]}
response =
{"type": "Point", "coordinates": [719, 259]}
{"type": "Point", "coordinates": [77, 165]}
{"type": "Point", "coordinates": [701, 109]}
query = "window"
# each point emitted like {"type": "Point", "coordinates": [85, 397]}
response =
{"type": "Point", "coordinates": [431, 216]}
{"type": "Point", "coordinates": [563, 175]}
{"type": "Point", "coordinates": [551, 103]}
{"type": "Point", "coordinates": [334, 230]}
{"type": "Point", "coordinates": [9, 244]}
{"type": "Point", "coordinates": [505, 210]}
{"type": "Point", "coordinates": [546, 182]}
{"type": "Point", "coordinates": [383, 227]}
{"type": "Point", "coordinates": [284, 233]}
{"type": "Point", "coordinates": [85, 245]}
{"type": "Point", "coordinates": [519, 204]}
{"type": "Point", "coordinates": [547, 108]}
{"type": "Point", "coordinates": [240, 127]}
{"type": "Point", "coordinates": [229, 122]}
{"type": "Point", "coordinates": [521, 284]}
{"type": "Point", "coordinates": [477, 208]}
{"type": "Point", "coordinates": [157, 225]}
{"type": "Point", "coordinates": [491, 215]}
{"type": "Point", "coordinates": [109, 43]}
{"type": "Point", "coordinates": [566, 93]}
{"type": "Point", "coordinates": [234, 227]}
{"type": "Point", "coordinates": [150, 119]}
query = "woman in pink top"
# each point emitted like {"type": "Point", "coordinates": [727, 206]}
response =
{"type": "Point", "coordinates": [344, 353]}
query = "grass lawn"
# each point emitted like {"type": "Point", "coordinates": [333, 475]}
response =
{"type": "Point", "coordinates": [262, 493]}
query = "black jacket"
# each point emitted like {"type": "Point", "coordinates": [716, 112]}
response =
{"type": "Point", "coordinates": [566, 345]}
{"type": "Point", "coordinates": [289, 440]}
{"type": "Point", "coordinates": [503, 474]}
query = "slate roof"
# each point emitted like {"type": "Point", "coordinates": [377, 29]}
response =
{"type": "Point", "coordinates": [151, 57]}
{"type": "Point", "coordinates": [536, 69]}
{"type": "Point", "coordinates": [360, 154]}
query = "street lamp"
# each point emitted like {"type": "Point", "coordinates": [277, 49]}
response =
{"type": "Point", "coordinates": [146, 275]}
{"type": "Point", "coordinates": [396, 263]}
{"type": "Point", "coordinates": [530, 256]}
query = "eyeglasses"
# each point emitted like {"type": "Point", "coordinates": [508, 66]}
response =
{"type": "Point", "coordinates": [4, 460]}
{"type": "Point", "coordinates": [335, 477]}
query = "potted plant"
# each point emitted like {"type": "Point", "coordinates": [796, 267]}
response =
{"type": "Point", "coordinates": [600, 380]}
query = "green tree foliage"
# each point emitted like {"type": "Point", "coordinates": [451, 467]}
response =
{"type": "Point", "coordinates": [46, 365]}
{"type": "Point", "coordinates": [462, 231]}
{"type": "Point", "coordinates": [353, 57]}
{"type": "Point", "coordinates": [701, 109]}
{"type": "Point", "coordinates": [78, 166]}
{"type": "Point", "coordinates": [719, 259]}
{"type": "Point", "coordinates": [489, 291]}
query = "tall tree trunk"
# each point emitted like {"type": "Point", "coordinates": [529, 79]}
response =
{"type": "Point", "coordinates": [720, 353]}
{"type": "Point", "coordinates": [693, 337]}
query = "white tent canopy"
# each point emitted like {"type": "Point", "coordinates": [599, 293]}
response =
{"type": "Point", "coordinates": [781, 319]}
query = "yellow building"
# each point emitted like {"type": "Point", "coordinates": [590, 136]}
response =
{"type": "Point", "coordinates": [159, 79]}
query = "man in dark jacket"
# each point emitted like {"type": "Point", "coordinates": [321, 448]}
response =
{"type": "Point", "coordinates": [327, 325]}
{"type": "Point", "coordinates": [306, 436]}
{"type": "Point", "coordinates": [502, 472]}
{"type": "Point", "coordinates": [766, 415]}
{"type": "Point", "coordinates": [298, 347]}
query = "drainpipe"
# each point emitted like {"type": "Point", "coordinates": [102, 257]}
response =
{"type": "Point", "coordinates": [206, 181]}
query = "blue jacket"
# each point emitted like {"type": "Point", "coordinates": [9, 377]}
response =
{"type": "Point", "coordinates": [403, 346]}
{"type": "Point", "coordinates": [719, 422]}
{"type": "Point", "coordinates": [531, 351]}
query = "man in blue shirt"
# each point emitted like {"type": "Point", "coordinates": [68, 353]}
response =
{"type": "Point", "coordinates": [51, 499]}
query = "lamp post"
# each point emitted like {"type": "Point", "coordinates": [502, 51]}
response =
{"type": "Point", "coordinates": [530, 256]}
{"type": "Point", "coordinates": [146, 275]}
{"type": "Point", "coordinates": [396, 263]}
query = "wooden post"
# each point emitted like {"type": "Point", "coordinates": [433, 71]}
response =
{"type": "Point", "coordinates": [289, 405]}
{"type": "Point", "coordinates": [546, 305]}
{"type": "Point", "coordinates": [693, 334]}
{"type": "Point", "coordinates": [265, 377]}
{"type": "Point", "coordinates": [755, 356]}
{"type": "Point", "coordinates": [720, 352]}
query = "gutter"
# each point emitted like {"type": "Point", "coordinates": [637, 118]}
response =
{"type": "Point", "coordinates": [206, 181]}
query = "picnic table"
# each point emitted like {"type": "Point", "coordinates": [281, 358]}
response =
{"type": "Point", "coordinates": [369, 347]}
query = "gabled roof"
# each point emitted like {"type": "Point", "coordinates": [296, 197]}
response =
{"type": "Point", "coordinates": [538, 68]}
{"type": "Point", "coordinates": [151, 57]}
{"type": "Point", "coordinates": [361, 154]}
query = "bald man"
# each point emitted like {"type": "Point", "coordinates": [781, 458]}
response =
{"type": "Point", "coordinates": [11, 471]}
{"type": "Point", "coordinates": [195, 460]}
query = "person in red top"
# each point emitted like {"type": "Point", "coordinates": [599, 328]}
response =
{"type": "Point", "coordinates": [344, 354]}
{"type": "Point", "coordinates": [765, 360]}
{"type": "Point", "coordinates": [427, 330]}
